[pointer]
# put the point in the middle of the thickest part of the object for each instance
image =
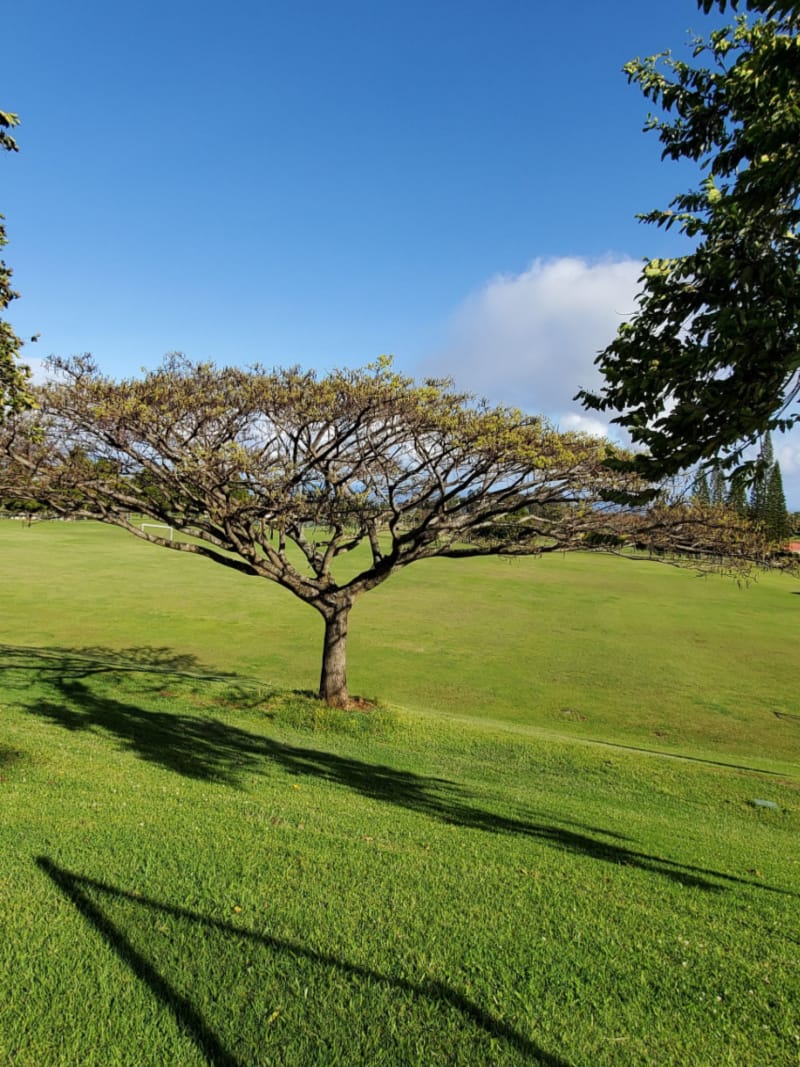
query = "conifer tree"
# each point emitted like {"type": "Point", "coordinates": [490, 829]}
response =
{"type": "Point", "coordinates": [776, 517]}
{"type": "Point", "coordinates": [758, 494]}
{"type": "Point", "coordinates": [700, 490]}
{"type": "Point", "coordinates": [737, 493]}
{"type": "Point", "coordinates": [717, 488]}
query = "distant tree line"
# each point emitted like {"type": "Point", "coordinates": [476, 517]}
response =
{"type": "Point", "coordinates": [765, 503]}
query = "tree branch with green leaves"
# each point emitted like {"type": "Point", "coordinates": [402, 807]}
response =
{"type": "Point", "coordinates": [14, 392]}
{"type": "Point", "coordinates": [711, 359]}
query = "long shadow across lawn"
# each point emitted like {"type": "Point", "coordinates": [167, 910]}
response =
{"type": "Point", "coordinates": [77, 889]}
{"type": "Point", "coordinates": [200, 746]}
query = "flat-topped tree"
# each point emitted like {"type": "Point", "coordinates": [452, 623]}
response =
{"type": "Point", "coordinates": [281, 474]}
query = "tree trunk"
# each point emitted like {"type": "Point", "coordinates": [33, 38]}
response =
{"type": "Point", "coordinates": [333, 680]}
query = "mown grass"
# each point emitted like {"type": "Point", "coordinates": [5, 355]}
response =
{"type": "Point", "coordinates": [582, 646]}
{"type": "Point", "coordinates": [202, 867]}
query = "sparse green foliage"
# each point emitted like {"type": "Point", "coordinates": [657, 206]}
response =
{"type": "Point", "coordinates": [14, 394]}
{"type": "Point", "coordinates": [711, 360]}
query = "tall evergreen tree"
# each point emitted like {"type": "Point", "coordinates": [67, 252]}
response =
{"type": "Point", "coordinates": [776, 516]}
{"type": "Point", "coordinates": [717, 488]}
{"type": "Point", "coordinates": [700, 490]}
{"type": "Point", "coordinates": [737, 492]}
{"type": "Point", "coordinates": [758, 494]}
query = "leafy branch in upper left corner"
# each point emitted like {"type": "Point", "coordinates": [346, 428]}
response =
{"type": "Point", "coordinates": [14, 394]}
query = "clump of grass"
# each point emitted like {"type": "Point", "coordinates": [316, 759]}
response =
{"type": "Point", "coordinates": [304, 711]}
{"type": "Point", "coordinates": [299, 710]}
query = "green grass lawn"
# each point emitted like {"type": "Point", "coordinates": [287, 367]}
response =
{"type": "Point", "coordinates": [586, 647]}
{"type": "Point", "coordinates": [511, 861]}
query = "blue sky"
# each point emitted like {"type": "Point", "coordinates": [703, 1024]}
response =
{"type": "Point", "coordinates": [317, 183]}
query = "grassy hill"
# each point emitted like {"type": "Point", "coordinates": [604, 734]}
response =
{"type": "Point", "coordinates": [585, 646]}
{"type": "Point", "coordinates": [544, 846]}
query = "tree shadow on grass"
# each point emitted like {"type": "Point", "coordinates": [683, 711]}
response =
{"type": "Point", "coordinates": [203, 747]}
{"type": "Point", "coordinates": [8, 756]}
{"type": "Point", "coordinates": [77, 889]}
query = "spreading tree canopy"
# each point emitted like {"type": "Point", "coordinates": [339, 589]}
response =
{"type": "Point", "coordinates": [711, 359]}
{"type": "Point", "coordinates": [284, 474]}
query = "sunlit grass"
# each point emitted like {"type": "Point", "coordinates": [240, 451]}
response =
{"type": "Point", "coordinates": [200, 864]}
{"type": "Point", "coordinates": [582, 646]}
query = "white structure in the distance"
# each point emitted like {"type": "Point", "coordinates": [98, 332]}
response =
{"type": "Point", "coordinates": [157, 526]}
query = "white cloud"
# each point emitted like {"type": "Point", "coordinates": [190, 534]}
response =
{"type": "Point", "coordinates": [787, 453]}
{"type": "Point", "coordinates": [39, 369]}
{"type": "Point", "coordinates": [531, 339]}
{"type": "Point", "coordinates": [586, 424]}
